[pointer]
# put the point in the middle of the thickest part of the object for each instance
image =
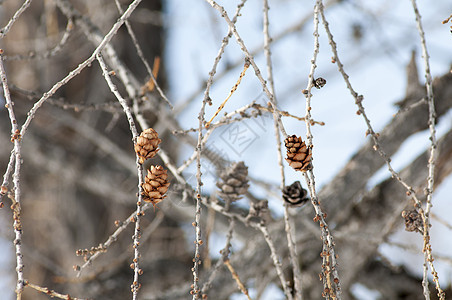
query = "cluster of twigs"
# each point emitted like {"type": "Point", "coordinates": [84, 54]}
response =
{"type": "Point", "coordinates": [134, 98]}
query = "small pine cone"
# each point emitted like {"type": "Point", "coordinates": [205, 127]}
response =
{"type": "Point", "coordinates": [155, 185]}
{"type": "Point", "coordinates": [413, 221]}
{"type": "Point", "coordinates": [295, 194]}
{"type": "Point", "coordinates": [258, 208]}
{"type": "Point", "coordinates": [235, 182]}
{"type": "Point", "coordinates": [298, 154]}
{"type": "Point", "coordinates": [319, 83]}
{"type": "Point", "coordinates": [146, 145]}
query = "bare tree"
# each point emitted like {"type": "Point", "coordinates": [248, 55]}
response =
{"type": "Point", "coordinates": [96, 140]}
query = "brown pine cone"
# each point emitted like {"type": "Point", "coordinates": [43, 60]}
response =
{"type": "Point", "coordinates": [295, 194]}
{"type": "Point", "coordinates": [234, 182]}
{"type": "Point", "coordinates": [146, 145]}
{"type": "Point", "coordinates": [298, 154]}
{"type": "Point", "coordinates": [413, 221]}
{"type": "Point", "coordinates": [155, 185]}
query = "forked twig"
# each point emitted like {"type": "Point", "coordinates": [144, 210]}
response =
{"type": "Point", "coordinates": [114, 236]}
{"type": "Point", "coordinates": [224, 256]}
{"type": "Point", "coordinates": [49, 53]}
{"type": "Point", "coordinates": [201, 116]}
{"type": "Point", "coordinates": [243, 47]}
{"type": "Point", "coordinates": [259, 226]}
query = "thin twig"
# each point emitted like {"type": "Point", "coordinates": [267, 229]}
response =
{"type": "Point", "coordinates": [139, 213]}
{"type": "Point", "coordinates": [287, 222]}
{"type": "Point", "coordinates": [358, 101]}
{"type": "Point", "coordinates": [328, 253]}
{"type": "Point", "coordinates": [198, 241]}
{"type": "Point", "coordinates": [60, 102]}
{"type": "Point", "coordinates": [447, 20]}
{"type": "Point", "coordinates": [201, 142]}
{"type": "Point", "coordinates": [260, 226]}
{"type": "Point", "coordinates": [6, 175]}
{"type": "Point", "coordinates": [16, 15]}
{"type": "Point", "coordinates": [16, 207]}
{"type": "Point", "coordinates": [377, 147]}
{"type": "Point", "coordinates": [257, 71]}
{"type": "Point", "coordinates": [287, 114]}
{"type": "Point", "coordinates": [225, 120]}
{"type": "Point", "coordinates": [201, 117]}
{"type": "Point", "coordinates": [411, 106]}
{"type": "Point", "coordinates": [242, 114]}
{"type": "Point", "coordinates": [49, 53]}
{"type": "Point", "coordinates": [298, 26]}
{"type": "Point", "coordinates": [127, 78]}
{"type": "Point", "coordinates": [234, 88]}
{"type": "Point", "coordinates": [114, 236]}
{"type": "Point", "coordinates": [224, 43]}
{"type": "Point", "coordinates": [106, 39]}
{"type": "Point", "coordinates": [224, 256]}
{"type": "Point", "coordinates": [120, 156]}
{"type": "Point", "coordinates": [130, 83]}
{"type": "Point", "coordinates": [213, 71]}
{"type": "Point", "coordinates": [329, 265]}
{"type": "Point", "coordinates": [263, 228]}
{"type": "Point", "coordinates": [50, 292]}
{"type": "Point", "coordinates": [141, 56]}
{"type": "Point", "coordinates": [237, 279]}
{"type": "Point", "coordinates": [428, 257]}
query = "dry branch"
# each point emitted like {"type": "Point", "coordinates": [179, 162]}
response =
{"type": "Point", "coordinates": [78, 174]}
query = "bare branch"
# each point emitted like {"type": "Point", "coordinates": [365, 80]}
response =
{"type": "Point", "coordinates": [16, 15]}
{"type": "Point", "coordinates": [16, 199]}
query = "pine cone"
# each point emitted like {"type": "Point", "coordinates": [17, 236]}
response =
{"type": "Point", "coordinates": [319, 83]}
{"type": "Point", "coordinates": [155, 185]}
{"type": "Point", "coordinates": [295, 194]}
{"type": "Point", "coordinates": [413, 221]}
{"type": "Point", "coordinates": [235, 182]}
{"type": "Point", "coordinates": [298, 155]}
{"type": "Point", "coordinates": [146, 145]}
